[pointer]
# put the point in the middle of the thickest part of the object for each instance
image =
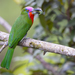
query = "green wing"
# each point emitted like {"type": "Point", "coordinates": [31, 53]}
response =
{"type": "Point", "coordinates": [19, 30]}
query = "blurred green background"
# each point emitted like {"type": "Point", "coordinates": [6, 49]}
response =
{"type": "Point", "coordinates": [56, 25]}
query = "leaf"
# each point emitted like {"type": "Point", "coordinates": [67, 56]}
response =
{"type": "Point", "coordinates": [36, 66]}
{"type": "Point", "coordinates": [66, 5]}
{"type": "Point", "coordinates": [37, 52]}
{"type": "Point", "coordinates": [53, 58]}
{"type": "Point", "coordinates": [59, 17]}
{"type": "Point", "coordinates": [28, 2]}
{"type": "Point", "coordinates": [43, 22]}
{"type": "Point", "coordinates": [33, 4]}
{"type": "Point", "coordinates": [19, 1]}
{"type": "Point", "coordinates": [67, 66]}
{"type": "Point", "coordinates": [3, 70]}
{"type": "Point", "coordinates": [21, 70]}
{"type": "Point", "coordinates": [50, 13]}
{"type": "Point", "coordinates": [49, 24]}
{"type": "Point", "coordinates": [23, 58]}
{"type": "Point", "coordinates": [39, 72]}
{"type": "Point", "coordinates": [70, 72]}
{"type": "Point", "coordinates": [38, 30]}
{"type": "Point", "coordinates": [39, 2]}
{"type": "Point", "coordinates": [61, 2]}
{"type": "Point", "coordinates": [7, 74]}
{"type": "Point", "coordinates": [71, 23]}
{"type": "Point", "coordinates": [64, 41]}
{"type": "Point", "coordinates": [46, 5]}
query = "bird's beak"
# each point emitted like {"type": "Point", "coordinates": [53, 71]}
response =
{"type": "Point", "coordinates": [37, 11]}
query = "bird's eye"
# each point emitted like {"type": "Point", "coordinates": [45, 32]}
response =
{"type": "Point", "coordinates": [27, 10]}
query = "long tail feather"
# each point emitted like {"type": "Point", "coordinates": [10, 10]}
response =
{"type": "Point", "coordinates": [7, 59]}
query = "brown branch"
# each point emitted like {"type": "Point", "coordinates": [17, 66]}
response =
{"type": "Point", "coordinates": [68, 10]}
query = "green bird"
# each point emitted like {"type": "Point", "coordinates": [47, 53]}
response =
{"type": "Point", "coordinates": [18, 31]}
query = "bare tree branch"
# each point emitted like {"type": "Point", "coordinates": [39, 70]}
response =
{"type": "Point", "coordinates": [49, 67]}
{"type": "Point", "coordinates": [46, 65]}
{"type": "Point", "coordinates": [2, 43]}
{"type": "Point", "coordinates": [45, 46]}
{"type": "Point", "coordinates": [5, 24]}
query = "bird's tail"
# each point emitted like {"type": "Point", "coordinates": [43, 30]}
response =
{"type": "Point", "coordinates": [7, 59]}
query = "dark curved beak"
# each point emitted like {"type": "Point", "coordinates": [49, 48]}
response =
{"type": "Point", "coordinates": [37, 11]}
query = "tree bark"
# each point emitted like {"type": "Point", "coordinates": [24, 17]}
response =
{"type": "Point", "coordinates": [42, 45]}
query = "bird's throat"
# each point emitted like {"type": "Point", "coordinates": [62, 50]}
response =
{"type": "Point", "coordinates": [31, 16]}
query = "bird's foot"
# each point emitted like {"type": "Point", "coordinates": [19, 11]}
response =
{"type": "Point", "coordinates": [4, 45]}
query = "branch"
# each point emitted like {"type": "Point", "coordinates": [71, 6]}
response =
{"type": "Point", "coordinates": [46, 65]}
{"type": "Point", "coordinates": [4, 45]}
{"type": "Point", "coordinates": [45, 46]}
{"type": "Point", "coordinates": [49, 67]}
{"type": "Point", "coordinates": [5, 24]}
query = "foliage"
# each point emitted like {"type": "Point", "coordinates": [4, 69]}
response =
{"type": "Point", "coordinates": [56, 25]}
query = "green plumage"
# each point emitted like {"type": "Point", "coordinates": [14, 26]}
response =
{"type": "Point", "coordinates": [18, 31]}
{"type": "Point", "coordinates": [7, 60]}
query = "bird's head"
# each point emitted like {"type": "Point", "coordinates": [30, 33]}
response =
{"type": "Point", "coordinates": [31, 11]}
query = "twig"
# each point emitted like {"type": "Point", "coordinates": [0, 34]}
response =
{"type": "Point", "coordinates": [5, 24]}
{"type": "Point", "coordinates": [45, 46]}
{"type": "Point", "coordinates": [46, 65]}
{"type": "Point", "coordinates": [5, 44]}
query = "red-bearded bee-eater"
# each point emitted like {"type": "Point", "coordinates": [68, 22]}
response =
{"type": "Point", "coordinates": [18, 31]}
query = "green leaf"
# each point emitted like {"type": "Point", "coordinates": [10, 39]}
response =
{"type": "Point", "coordinates": [39, 2]}
{"type": "Point", "coordinates": [70, 72]}
{"type": "Point", "coordinates": [49, 24]}
{"type": "Point", "coordinates": [60, 17]}
{"type": "Point", "coordinates": [28, 2]}
{"type": "Point", "coordinates": [68, 67]}
{"type": "Point", "coordinates": [21, 70]}
{"type": "Point", "coordinates": [43, 22]}
{"type": "Point", "coordinates": [7, 74]}
{"type": "Point", "coordinates": [3, 70]}
{"type": "Point", "coordinates": [19, 1]}
{"type": "Point", "coordinates": [71, 23]}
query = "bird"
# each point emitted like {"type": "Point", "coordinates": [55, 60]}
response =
{"type": "Point", "coordinates": [19, 29]}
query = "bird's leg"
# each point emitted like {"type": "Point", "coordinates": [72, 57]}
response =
{"type": "Point", "coordinates": [5, 44]}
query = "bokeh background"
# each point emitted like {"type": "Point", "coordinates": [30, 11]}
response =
{"type": "Point", "coordinates": [56, 25]}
